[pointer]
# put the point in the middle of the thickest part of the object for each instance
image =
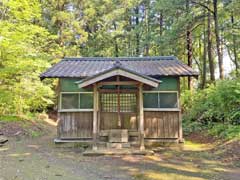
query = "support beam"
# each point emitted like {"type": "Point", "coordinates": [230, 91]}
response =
{"type": "Point", "coordinates": [141, 118]}
{"type": "Point", "coordinates": [118, 83]}
{"type": "Point", "coordinates": [95, 110]}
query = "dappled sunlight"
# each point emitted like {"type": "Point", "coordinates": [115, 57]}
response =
{"type": "Point", "coordinates": [50, 122]}
{"type": "Point", "coordinates": [191, 146]}
{"type": "Point", "coordinates": [156, 158]}
{"type": "Point", "coordinates": [170, 176]}
{"type": "Point", "coordinates": [4, 149]}
{"type": "Point", "coordinates": [19, 154]}
{"type": "Point", "coordinates": [188, 167]}
{"type": "Point", "coordinates": [132, 159]}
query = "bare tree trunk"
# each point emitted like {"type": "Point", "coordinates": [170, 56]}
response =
{"type": "Point", "coordinates": [115, 42]}
{"type": "Point", "coordinates": [204, 74]}
{"type": "Point", "coordinates": [209, 47]}
{"type": "Point", "coordinates": [218, 41]}
{"type": "Point", "coordinates": [234, 46]}
{"type": "Point", "coordinates": [160, 30]}
{"type": "Point", "coordinates": [161, 23]}
{"type": "Point", "coordinates": [137, 33]}
{"type": "Point", "coordinates": [147, 27]}
{"type": "Point", "coordinates": [189, 46]}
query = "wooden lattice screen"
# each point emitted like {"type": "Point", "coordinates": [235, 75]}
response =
{"type": "Point", "coordinates": [127, 102]}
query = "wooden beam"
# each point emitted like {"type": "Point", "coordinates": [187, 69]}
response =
{"type": "Point", "coordinates": [141, 118]}
{"type": "Point", "coordinates": [115, 90]}
{"type": "Point", "coordinates": [118, 83]}
{"type": "Point", "coordinates": [95, 110]}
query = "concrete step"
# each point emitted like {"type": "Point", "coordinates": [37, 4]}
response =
{"type": "Point", "coordinates": [109, 152]}
{"type": "Point", "coordinates": [118, 145]}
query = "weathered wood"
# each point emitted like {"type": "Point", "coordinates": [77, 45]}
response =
{"type": "Point", "coordinates": [141, 118]}
{"type": "Point", "coordinates": [75, 125]}
{"type": "Point", "coordinates": [115, 91]}
{"type": "Point", "coordinates": [118, 83]}
{"type": "Point", "coordinates": [109, 120]}
{"type": "Point", "coordinates": [160, 124]}
{"type": "Point", "coordinates": [118, 101]}
{"type": "Point", "coordinates": [180, 133]}
{"type": "Point", "coordinates": [95, 112]}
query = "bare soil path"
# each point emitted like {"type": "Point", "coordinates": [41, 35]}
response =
{"type": "Point", "coordinates": [39, 159]}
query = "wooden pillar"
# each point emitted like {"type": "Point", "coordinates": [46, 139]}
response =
{"type": "Point", "coordinates": [118, 101]}
{"type": "Point", "coordinates": [180, 133]}
{"type": "Point", "coordinates": [95, 110]}
{"type": "Point", "coordinates": [141, 118]}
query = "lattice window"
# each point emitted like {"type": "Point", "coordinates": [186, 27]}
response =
{"type": "Point", "coordinates": [109, 102]}
{"type": "Point", "coordinates": [128, 102]}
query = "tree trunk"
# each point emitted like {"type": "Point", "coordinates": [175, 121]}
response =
{"type": "Point", "coordinates": [161, 23]}
{"type": "Point", "coordinates": [218, 41]}
{"type": "Point", "coordinates": [204, 71]}
{"type": "Point", "coordinates": [160, 31]}
{"type": "Point", "coordinates": [137, 33]}
{"type": "Point", "coordinates": [146, 14]}
{"type": "Point", "coordinates": [189, 46]}
{"type": "Point", "coordinates": [115, 42]}
{"type": "Point", "coordinates": [209, 47]}
{"type": "Point", "coordinates": [234, 46]}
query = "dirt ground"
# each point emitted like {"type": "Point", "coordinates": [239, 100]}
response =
{"type": "Point", "coordinates": [37, 158]}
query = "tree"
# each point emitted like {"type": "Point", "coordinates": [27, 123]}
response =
{"type": "Point", "coordinates": [218, 40]}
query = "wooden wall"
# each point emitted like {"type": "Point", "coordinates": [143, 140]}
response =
{"type": "Point", "coordinates": [75, 125]}
{"type": "Point", "coordinates": [161, 124]}
{"type": "Point", "coordinates": [156, 124]}
{"type": "Point", "coordinates": [109, 120]}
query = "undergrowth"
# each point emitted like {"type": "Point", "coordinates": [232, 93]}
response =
{"type": "Point", "coordinates": [215, 109]}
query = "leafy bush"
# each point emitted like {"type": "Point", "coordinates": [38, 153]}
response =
{"type": "Point", "coordinates": [225, 131]}
{"type": "Point", "coordinates": [216, 108]}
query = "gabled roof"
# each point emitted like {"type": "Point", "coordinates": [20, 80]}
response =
{"type": "Point", "coordinates": [121, 71]}
{"type": "Point", "coordinates": [147, 66]}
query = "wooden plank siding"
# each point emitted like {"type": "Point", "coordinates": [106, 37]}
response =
{"type": "Point", "coordinates": [159, 124]}
{"type": "Point", "coordinates": [75, 125]}
{"type": "Point", "coordinates": [109, 120]}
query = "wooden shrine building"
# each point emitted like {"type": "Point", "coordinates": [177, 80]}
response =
{"type": "Point", "coordinates": [119, 100]}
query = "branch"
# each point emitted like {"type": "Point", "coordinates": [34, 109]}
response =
{"type": "Point", "coordinates": [202, 5]}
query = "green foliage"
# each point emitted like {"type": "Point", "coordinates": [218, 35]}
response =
{"type": "Point", "coordinates": [26, 49]}
{"type": "Point", "coordinates": [216, 108]}
{"type": "Point", "coordinates": [225, 131]}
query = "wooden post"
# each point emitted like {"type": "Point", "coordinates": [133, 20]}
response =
{"type": "Point", "coordinates": [118, 99]}
{"type": "Point", "coordinates": [95, 109]}
{"type": "Point", "coordinates": [180, 134]}
{"type": "Point", "coordinates": [141, 118]}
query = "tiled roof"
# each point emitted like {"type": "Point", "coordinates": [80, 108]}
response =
{"type": "Point", "coordinates": [89, 66]}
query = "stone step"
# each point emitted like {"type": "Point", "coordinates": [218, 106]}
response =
{"type": "Point", "coordinates": [118, 136]}
{"type": "Point", "coordinates": [109, 152]}
{"type": "Point", "coordinates": [118, 145]}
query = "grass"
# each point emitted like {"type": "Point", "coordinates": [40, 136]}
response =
{"type": "Point", "coordinates": [10, 118]}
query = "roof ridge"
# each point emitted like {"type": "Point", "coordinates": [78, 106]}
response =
{"type": "Point", "coordinates": [152, 58]}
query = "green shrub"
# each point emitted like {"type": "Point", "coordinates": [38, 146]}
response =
{"type": "Point", "coordinates": [216, 108]}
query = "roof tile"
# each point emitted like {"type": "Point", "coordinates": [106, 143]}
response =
{"type": "Point", "coordinates": [89, 66]}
